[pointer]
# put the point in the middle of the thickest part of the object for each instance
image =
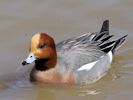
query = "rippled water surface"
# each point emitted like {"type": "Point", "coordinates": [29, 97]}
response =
{"type": "Point", "coordinates": [20, 19]}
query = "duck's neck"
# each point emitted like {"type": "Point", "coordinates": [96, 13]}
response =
{"type": "Point", "coordinates": [41, 64]}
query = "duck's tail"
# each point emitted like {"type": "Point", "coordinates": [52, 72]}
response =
{"type": "Point", "coordinates": [118, 43]}
{"type": "Point", "coordinates": [104, 37]}
{"type": "Point", "coordinates": [105, 26]}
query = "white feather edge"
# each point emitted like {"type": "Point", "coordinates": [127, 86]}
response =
{"type": "Point", "coordinates": [91, 65]}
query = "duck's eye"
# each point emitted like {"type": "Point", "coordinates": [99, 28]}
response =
{"type": "Point", "coordinates": [42, 45]}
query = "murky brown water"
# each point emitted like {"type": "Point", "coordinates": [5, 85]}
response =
{"type": "Point", "coordinates": [19, 20]}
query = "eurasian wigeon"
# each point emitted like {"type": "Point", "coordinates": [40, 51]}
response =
{"type": "Point", "coordinates": [83, 59]}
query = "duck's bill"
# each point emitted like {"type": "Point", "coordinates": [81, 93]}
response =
{"type": "Point", "coordinates": [31, 58]}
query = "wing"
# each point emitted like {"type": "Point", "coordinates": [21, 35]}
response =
{"type": "Point", "coordinates": [78, 51]}
{"type": "Point", "coordinates": [87, 48]}
{"type": "Point", "coordinates": [84, 49]}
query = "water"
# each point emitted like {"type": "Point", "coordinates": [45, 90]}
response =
{"type": "Point", "coordinates": [19, 20]}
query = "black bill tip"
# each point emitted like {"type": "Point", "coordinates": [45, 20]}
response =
{"type": "Point", "coordinates": [24, 63]}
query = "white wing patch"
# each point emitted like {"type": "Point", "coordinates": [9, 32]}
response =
{"type": "Point", "coordinates": [110, 56]}
{"type": "Point", "coordinates": [87, 66]}
{"type": "Point", "coordinates": [91, 65]}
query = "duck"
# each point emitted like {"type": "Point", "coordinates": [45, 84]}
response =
{"type": "Point", "coordinates": [78, 60]}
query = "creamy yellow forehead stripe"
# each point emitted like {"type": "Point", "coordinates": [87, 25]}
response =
{"type": "Point", "coordinates": [34, 42]}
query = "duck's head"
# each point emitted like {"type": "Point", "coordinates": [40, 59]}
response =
{"type": "Point", "coordinates": [42, 51]}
